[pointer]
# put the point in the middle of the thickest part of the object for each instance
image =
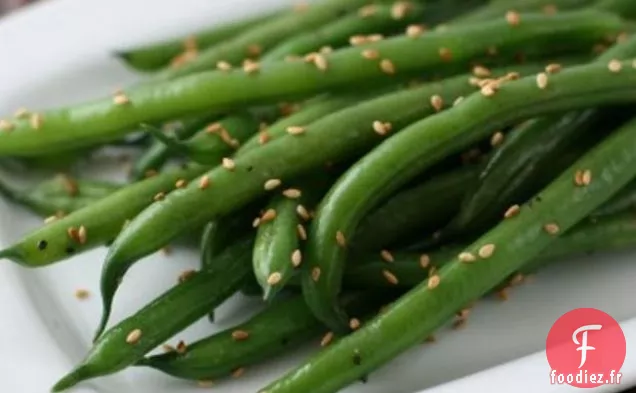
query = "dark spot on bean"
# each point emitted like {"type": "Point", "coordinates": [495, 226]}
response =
{"type": "Point", "coordinates": [538, 198]}
{"type": "Point", "coordinates": [357, 359]}
{"type": "Point", "coordinates": [364, 379]}
{"type": "Point", "coordinates": [42, 244]}
{"type": "Point", "coordinates": [110, 242]}
{"type": "Point", "coordinates": [250, 168]}
{"type": "Point", "coordinates": [70, 250]}
{"type": "Point", "coordinates": [342, 13]}
{"type": "Point", "coordinates": [284, 341]}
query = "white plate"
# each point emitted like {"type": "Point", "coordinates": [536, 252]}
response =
{"type": "Point", "coordinates": [56, 53]}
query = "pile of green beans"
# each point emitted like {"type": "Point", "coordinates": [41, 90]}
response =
{"type": "Point", "coordinates": [335, 158]}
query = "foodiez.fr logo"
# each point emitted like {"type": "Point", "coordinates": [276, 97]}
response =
{"type": "Point", "coordinates": [585, 348]}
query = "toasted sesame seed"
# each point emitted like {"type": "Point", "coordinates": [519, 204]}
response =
{"type": "Point", "coordinates": [159, 196]}
{"type": "Point", "coordinates": [302, 233]}
{"type": "Point", "coordinates": [223, 66]}
{"type": "Point", "coordinates": [586, 178]}
{"type": "Point", "coordinates": [240, 335]}
{"type": "Point", "coordinates": [292, 193]}
{"type": "Point", "coordinates": [445, 54]}
{"type": "Point", "coordinates": [387, 256]}
{"type": "Point", "coordinates": [387, 66]}
{"type": "Point", "coordinates": [205, 384]}
{"type": "Point", "coordinates": [303, 213]}
{"type": "Point", "coordinates": [512, 211]}
{"type": "Point", "coordinates": [301, 6]}
{"type": "Point", "coordinates": [425, 261]}
{"type": "Point", "coordinates": [320, 62]}
{"type": "Point", "coordinates": [433, 281]}
{"type": "Point", "coordinates": [168, 348]}
{"type": "Point", "coordinates": [238, 372]}
{"type": "Point", "coordinates": [340, 239]}
{"type": "Point", "coordinates": [375, 37]}
{"type": "Point", "coordinates": [21, 113]}
{"type": "Point", "coordinates": [263, 137]}
{"type": "Point", "coordinates": [70, 185]}
{"type": "Point", "coordinates": [295, 130]}
{"type": "Point", "coordinates": [72, 233]}
{"type": "Point", "coordinates": [315, 274]}
{"type": "Point", "coordinates": [296, 258]}
{"type": "Point", "coordinates": [382, 128]}
{"type": "Point", "coordinates": [615, 66]}
{"type": "Point", "coordinates": [256, 222]}
{"type": "Point", "coordinates": [503, 294]}
{"type": "Point", "coordinates": [542, 80]}
{"type": "Point", "coordinates": [274, 278]}
{"type": "Point", "coordinates": [250, 66]}
{"type": "Point", "coordinates": [36, 121]}
{"type": "Point", "coordinates": [370, 54]}
{"type": "Point", "coordinates": [354, 323]}
{"type": "Point", "coordinates": [488, 90]}
{"type": "Point", "coordinates": [82, 294]}
{"type": "Point", "coordinates": [513, 18]}
{"type": "Point", "coordinates": [325, 50]}
{"type": "Point", "coordinates": [182, 347]}
{"type": "Point", "coordinates": [481, 71]}
{"type": "Point", "coordinates": [186, 275]}
{"type": "Point", "coordinates": [82, 235]}
{"type": "Point", "coordinates": [6, 125]}
{"type": "Point", "coordinates": [553, 68]}
{"type": "Point", "coordinates": [414, 31]}
{"type": "Point", "coordinates": [517, 279]}
{"type": "Point", "coordinates": [50, 219]}
{"type": "Point", "coordinates": [458, 100]}
{"type": "Point", "coordinates": [551, 228]}
{"type": "Point", "coordinates": [496, 139]}
{"type": "Point", "coordinates": [633, 63]}
{"type": "Point", "coordinates": [120, 98]}
{"type": "Point", "coordinates": [269, 215]}
{"type": "Point", "coordinates": [390, 277]}
{"type": "Point", "coordinates": [133, 337]}
{"type": "Point", "coordinates": [272, 184]}
{"type": "Point", "coordinates": [204, 182]}
{"type": "Point", "coordinates": [181, 183]}
{"type": "Point", "coordinates": [357, 40]}
{"type": "Point", "coordinates": [228, 164]}
{"type": "Point", "coordinates": [466, 257]}
{"type": "Point", "coordinates": [368, 10]}
{"type": "Point", "coordinates": [326, 339]}
{"type": "Point", "coordinates": [400, 9]}
{"type": "Point", "coordinates": [254, 50]}
{"type": "Point", "coordinates": [486, 250]}
{"type": "Point", "coordinates": [437, 102]}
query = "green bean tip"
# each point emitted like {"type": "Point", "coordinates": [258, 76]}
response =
{"type": "Point", "coordinates": [71, 379]}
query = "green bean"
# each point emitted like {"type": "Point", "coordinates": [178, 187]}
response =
{"type": "Point", "coordinates": [127, 342]}
{"type": "Point", "coordinates": [625, 8]}
{"type": "Point", "coordinates": [157, 153]}
{"type": "Point", "coordinates": [379, 19]}
{"type": "Point", "coordinates": [108, 119]}
{"type": "Point", "coordinates": [158, 55]}
{"type": "Point", "coordinates": [58, 196]}
{"type": "Point", "coordinates": [281, 326]}
{"type": "Point", "coordinates": [423, 208]}
{"type": "Point", "coordinates": [395, 162]}
{"type": "Point", "coordinates": [624, 200]}
{"type": "Point", "coordinates": [408, 269]}
{"type": "Point", "coordinates": [497, 9]}
{"type": "Point", "coordinates": [336, 137]}
{"type": "Point", "coordinates": [495, 255]}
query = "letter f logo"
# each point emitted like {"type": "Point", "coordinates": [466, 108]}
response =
{"type": "Point", "coordinates": [584, 347]}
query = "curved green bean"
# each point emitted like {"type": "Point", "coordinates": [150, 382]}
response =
{"type": "Point", "coordinates": [498, 9]}
{"type": "Point", "coordinates": [624, 200]}
{"type": "Point", "coordinates": [625, 8]}
{"type": "Point", "coordinates": [108, 119]}
{"type": "Point", "coordinates": [483, 264]}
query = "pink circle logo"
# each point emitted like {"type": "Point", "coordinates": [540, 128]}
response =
{"type": "Point", "coordinates": [586, 349]}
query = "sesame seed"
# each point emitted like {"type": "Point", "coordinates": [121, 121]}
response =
{"type": "Point", "coordinates": [256, 222]}
{"type": "Point", "coordinates": [511, 76]}
{"type": "Point", "coordinates": [387, 256]}
{"type": "Point", "coordinates": [615, 66]}
{"type": "Point", "coordinates": [21, 113]}
{"type": "Point", "coordinates": [72, 233]}
{"type": "Point", "coordinates": [633, 63]}
{"type": "Point", "coordinates": [82, 294]}
{"type": "Point", "coordinates": [387, 66]}
{"type": "Point", "coordinates": [542, 80]}
{"type": "Point", "coordinates": [250, 66]}
{"type": "Point", "coordinates": [496, 139]}
{"type": "Point", "coordinates": [205, 384]}
{"type": "Point", "coordinates": [269, 215]}
{"type": "Point", "coordinates": [223, 66]}
{"type": "Point", "coordinates": [292, 193]}
{"type": "Point", "coordinates": [238, 372]}
{"type": "Point", "coordinates": [503, 294]}
{"type": "Point", "coordinates": [513, 18]}
{"type": "Point", "coordinates": [120, 98]}
{"type": "Point", "coordinates": [263, 137]}
{"type": "Point", "coordinates": [315, 274]}
{"type": "Point", "coordinates": [481, 71]}
{"type": "Point", "coordinates": [301, 6]}
{"type": "Point", "coordinates": [486, 251]}
{"type": "Point", "coordinates": [181, 183]}
{"type": "Point", "coordinates": [274, 278]}
{"type": "Point", "coordinates": [240, 335]}
{"type": "Point", "coordinates": [295, 130]}
{"type": "Point", "coordinates": [296, 258]}
{"type": "Point", "coordinates": [370, 54]}
{"type": "Point", "coordinates": [357, 40]}
{"type": "Point", "coordinates": [6, 125]}
{"type": "Point", "coordinates": [512, 211]}
{"type": "Point", "coordinates": [272, 184]}
{"type": "Point", "coordinates": [354, 323]}
{"type": "Point", "coordinates": [133, 337]}
{"type": "Point", "coordinates": [168, 348]}
{"type": "Point", "coordinates": [368, 10]}
{"type": "Point", "coordinates": [430, 339]}
{"type": "Point", "coordinates": [181, 347]}
{"type": "Point", "coordinates": [458, 100]}
{"type": "Point", "coordinates": [82, 235]}
{"type": "Point", "coordinates": [204, 182]}
{"type": "Point", "coordinates": [400, 9]}
{"type": "Point", "coordinates": [437, 102]}
{"type": "Point", "coordinates": [302, 233]}
{"type": "Point", "coordinates": [445, 54]}
{"type": "Point", "coordinates": [36, 121]}
{"type": "Point", "coordinates": [459, 323]}
{"type": "Point", "coordinates": [326, 339]}
{"type": "Point", "coordinates": [551, 228]}
{"type": "Point", "coordinates": [340, 239]}
{"type": "Point", "coordinates": [321, 62]}
{"type": "Point", "coordinates": [414, 31]}
{"type": "Point", "coordinates": [553, 68]}
{"type": "Point", "coordinates": [425, 261]}
{"type": "Point", "coordinates": [159, 196]}
{"type": "Point", "coordinates": [466, 257]}
{"type": "Point", "coordinates": [433, 282]}
{"type": "Point", "coordinates": [517, 279]}
{"type": "Point", "coordinates": [50, 219]}
{"type": "Point", "coordinates": [488, 90]}
{"type": "Point", "coordinates": [228, 164]}
{"type": "Point", "coordinates": [70, 185]}
{"type": "Point", "coordinates": [254, 50]}
{"type": "Point", "coordinates": [375, 37]}
{"type": "Point", "coordinates": [186, 275]}
{"type": "Point", "coordinates": [303, 213]}
{"type": "Point", "coordinates": [325, 50]}
{"type": "Point", "coordinates": [382, 128]}
{"type": "Point", "coordinates": [390, 277]}
{"type": "Point", "coordinates": [587, 177]}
